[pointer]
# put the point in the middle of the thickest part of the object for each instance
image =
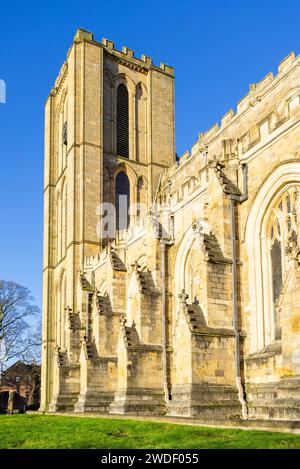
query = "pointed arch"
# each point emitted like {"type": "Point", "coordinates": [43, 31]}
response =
{"type": "Point", "coordinates": [126, 80]}
{"type": "Point", "coordinates": [141, 89]}
{"type": "Point", "coordinates": [126, 111]}
{"type": "Point", "coordinates": [189, 256]}
{"type": "Point", "coordinates": [129, 170]}
{"type": "Point", "coordinates": [258, 237]}
{"type": "Point", "coordinates": [133, 180]}
{"type": "Point", "coordinates": [142, 262]}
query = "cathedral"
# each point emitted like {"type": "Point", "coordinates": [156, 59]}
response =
{"type": "Point", "coordinates": [171, 286]}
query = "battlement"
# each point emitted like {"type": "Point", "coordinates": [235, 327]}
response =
{"type": "Point", "coordinates": [257, 92]}
{"type": "Point", "coordinates": [126, 53]}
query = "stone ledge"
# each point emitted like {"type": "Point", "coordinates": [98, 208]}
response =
{"type": "Point", "coordinates": [270, 351]}
{"type": "Point", "coordinates": [288, 426]}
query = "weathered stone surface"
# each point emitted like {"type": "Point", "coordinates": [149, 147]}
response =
{"type": "Point", "coordinates": [185, 311]}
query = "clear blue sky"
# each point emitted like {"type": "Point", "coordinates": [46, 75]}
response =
{"type": "Point", "coordinates": [217, 48]}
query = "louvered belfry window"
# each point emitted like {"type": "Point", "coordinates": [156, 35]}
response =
{"type": "Point", "coordinates": [122, 121]}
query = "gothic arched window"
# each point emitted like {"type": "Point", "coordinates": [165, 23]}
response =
{"type": "Point", "coordinates": [122, 121]}
{"type": "Point", "coordinates": [271, 233]}
{"type": "Point", "coordinates": [122, 201]}
{"type": "Point", "coordinates": [282, 230]}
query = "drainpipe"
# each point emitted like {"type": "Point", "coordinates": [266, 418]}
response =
{"type": "Point", "coordinates": [233, 199]}
{"type": "Point", "coordinates": [163, 243]}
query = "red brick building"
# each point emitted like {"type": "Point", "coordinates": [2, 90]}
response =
{"type": "Point", "coordinates": [20, 386]}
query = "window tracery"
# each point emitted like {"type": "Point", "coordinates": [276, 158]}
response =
{"type": "Point", "coordinates": [282, 241]}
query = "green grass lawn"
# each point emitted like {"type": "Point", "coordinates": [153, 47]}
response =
{"type": "Point", "coordinates": [43, 431]}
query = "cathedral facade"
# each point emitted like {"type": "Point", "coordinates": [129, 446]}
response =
{"type": "Point", "coordinates": [171, 285]}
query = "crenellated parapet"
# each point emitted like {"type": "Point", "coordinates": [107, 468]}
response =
{"type": "Point", "coordinates": [125, 56]}
{"type": "Point", "coordinates": [271, 114]}
{"type": "Point", "coordinates": [257, 92]}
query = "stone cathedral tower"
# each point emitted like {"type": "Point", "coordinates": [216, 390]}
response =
{"type": "Point", "coordinates": [109, 131]}
{"type": "Point", "coordinates": [169, 286]}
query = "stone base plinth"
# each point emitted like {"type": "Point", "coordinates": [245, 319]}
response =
{"type": "Point", "coordinates": [205, 401]}
{"type": "Point", "coordinates": [94, 402]}
{"type": "Point", "coordinates": [277, 400]}
{"type": "Point", "coordinates": [63, 403]}
{"type": "Point", "coordinates": [141, 402]}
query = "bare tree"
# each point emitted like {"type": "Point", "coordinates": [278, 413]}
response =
{"type": "Point", "coordinates": [19, 325]}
